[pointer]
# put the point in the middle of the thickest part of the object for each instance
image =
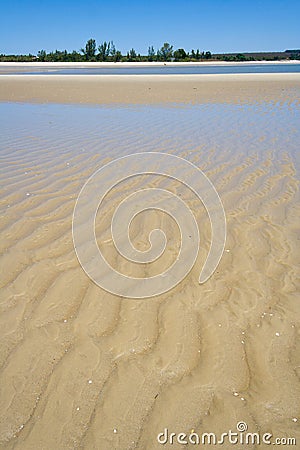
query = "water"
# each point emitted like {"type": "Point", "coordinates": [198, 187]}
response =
{"type": "Point", "coordinates": [250, 129]}
{"type": "Point", "coordinates": [164, 70]}
{"type": "Point", "coordinates": [76, 361]}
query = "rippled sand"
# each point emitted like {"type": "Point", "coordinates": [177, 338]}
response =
{"type": "Point", "coordinates": [81, 368]}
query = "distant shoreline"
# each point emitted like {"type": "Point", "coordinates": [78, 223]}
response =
{"type": "Point", "coordinates": [139, 64]}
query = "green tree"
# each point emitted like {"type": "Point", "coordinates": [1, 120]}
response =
{"type": "Point", "coordinates": [75, 56]}
{"type": "Point", "coordinates": [132, 55]}
{"type": "Point", "coordinates": [42, 55]}
{"type": "Point", "coordinates": [117, 56]}
{"type": "Point", "coordinates": [166, 52]}
{"type": "Point", "coordinates": [179, 54]}
{"type": "Point", "coordinates": [90, 49]}
{"type": "Point", "coordinates": [112, 49]}
{"type": "Point", "coordinates": [151, 53]}
{"type": "Point", "coordinates": [240, 57]}
{"type": "Point", "coordinates": [104, 50]}
{"type": "Point", "coordinates": [207, 55]}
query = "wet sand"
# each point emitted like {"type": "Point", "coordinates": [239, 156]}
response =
{"type": "Point", "coordinates": [81, 368]}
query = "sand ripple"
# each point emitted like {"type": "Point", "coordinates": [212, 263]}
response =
{"type": "Point", "coordinates": [78, 363]}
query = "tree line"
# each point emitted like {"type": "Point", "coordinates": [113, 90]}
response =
{"type": "Point", "coordinates": [107, 51]}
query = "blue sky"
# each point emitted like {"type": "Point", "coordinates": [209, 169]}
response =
{"type": "Point", "coordinates": [215, 25]}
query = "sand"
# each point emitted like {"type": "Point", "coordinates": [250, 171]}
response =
{"type": "Point", "coordinates": [147, 89]}
{"type": "Point", "coordinates": [82, 368]}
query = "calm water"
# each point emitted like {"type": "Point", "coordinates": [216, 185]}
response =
{"type": "Point", "coordinates": [167, 70]}
{"type": "Point", "coordinates": [253, 129]}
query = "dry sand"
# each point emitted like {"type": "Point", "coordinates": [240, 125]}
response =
{"type": "Point", "coordinates": [149, 89]}
{"type": "Point", "coordinates": [81, 368]}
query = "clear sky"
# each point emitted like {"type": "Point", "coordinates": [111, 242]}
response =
{"type": "Point", "coordinates": [215, 25]}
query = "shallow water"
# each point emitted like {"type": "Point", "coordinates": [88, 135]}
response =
{"type": "Point", "coordinates": [82, 368]}
{"type": "Point", "coordinates": [164, 70]}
